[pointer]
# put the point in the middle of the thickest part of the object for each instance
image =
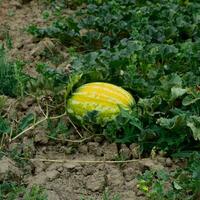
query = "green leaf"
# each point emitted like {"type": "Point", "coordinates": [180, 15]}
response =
{"type": "Point", "coordinates": [177, 92]}
{"type": "Point", "coordinates": [194, 124]}
{"type": "Point", "coordinates": [4, 126]}
{"type": "Point", "coordinates": [149, 105]}
{"type": "Point", "coordinates": [73, 81]}
{"type": "Point", "coordinates": [176, 121]}
{"type": "Point", "coordinates": [26, 121]}
{"type": "Point", "coordinates": [190, 99]}
{"type": "Point", "coordinates": [177, 186]}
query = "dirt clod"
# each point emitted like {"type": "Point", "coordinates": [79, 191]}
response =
{"type": "Point", "coordinates": [114, 177]}
{"type": "Point", "coordinates": [51, 195]}
{"type": "Point", "coordinates": [110, 151]}
{"type": "Point", "coordinates": [129, 173]}
{"type": "Point", "coordinates": [83, 149]}
{"type": "Point", "coordinates": [169, 162]}
{"type": "Point", "coordinates": [8, 170]}
{"type": "Point", "coordinates": [125, 152]}
{"type": "Point", "coordinates": [52, 174]}
{"type": "Point", "coordinates": [41, 137]}
{"type": "Point", "coordinates": [71, 166]}
{"type": "Point", "coordinates": [28, 147]}
{"type": "Point", "coordinates": [96, 182]}
{"type": "Point", "coordinates": [151, 164]}
{"type": "Point", "coordinates": [135, 150]}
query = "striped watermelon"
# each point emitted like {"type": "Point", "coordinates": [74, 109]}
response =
{"type": "Point", "coordinates": [105, 98]}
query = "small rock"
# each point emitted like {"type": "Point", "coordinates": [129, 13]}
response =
{"type": "Point", "coordinates": [169, 162]}
{"type": "Point", "coordinates": [8, 170]}
{"type": "Point", "coordinates": [96, 182]}
{"type": "Point", "coordinates": [51, 195]}
{"type": "Point", "coordinates": [110, 151]}
{"type": "Point", "coordinates": [125, 152]}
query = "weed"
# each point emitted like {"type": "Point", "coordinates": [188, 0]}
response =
{"type": "Point", "coordinates": [13, 191]}
{"type": "Point", "coordinates": [12, 78]}
{"type": "Point", "coordinates": [181, 184]}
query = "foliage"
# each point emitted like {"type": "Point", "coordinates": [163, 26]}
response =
{"type": "Point", "coordinates": [181, 184]}
{"type": "Point", "coordinates": [12, 78]}
{"type": "Point", "coordinates": [150, 48]}
{"type": "Point", "coordinates": [4, 126]}
{"type": "Point", "coordinates": [13, 191]}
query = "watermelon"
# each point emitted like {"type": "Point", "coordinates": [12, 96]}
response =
{"type": "Point", "coordinates": [105, 98]}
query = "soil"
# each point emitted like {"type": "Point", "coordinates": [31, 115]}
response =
{"type": "Point", "coordinates": [50, 164]}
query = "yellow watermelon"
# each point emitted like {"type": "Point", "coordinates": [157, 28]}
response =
{"type": "Point", "coordinates": [105, 98]}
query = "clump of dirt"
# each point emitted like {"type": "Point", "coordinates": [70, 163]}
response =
{"type": "Point", "coordinates": [9, 170]}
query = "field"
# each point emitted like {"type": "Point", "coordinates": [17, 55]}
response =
{"type": "Point", "coordinates": [49, 48]}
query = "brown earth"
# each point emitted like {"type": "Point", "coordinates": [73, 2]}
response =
{"type": "Point", "coordinates": [65, 180]}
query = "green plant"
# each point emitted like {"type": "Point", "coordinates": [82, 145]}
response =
{"type": "Point", "coordinates": [13, 191]}
{"type": "Point", "coordinates": [148, 48]}
{"type": "Point", "coordinates": [181, 184]}
{"type": "Point", "coordinates": [2, 102]}
{"type": "Point", "coordinates": [12, 78]}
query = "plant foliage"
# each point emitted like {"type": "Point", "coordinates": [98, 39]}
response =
{"type": "Point", "coordinates": [181, 184]}
{"type": "Point", "coordinates": [150, 48]}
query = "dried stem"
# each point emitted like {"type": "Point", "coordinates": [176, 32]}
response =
{"type": "Point", "coordinates": [85, 161]}
{"type": "Point", "coordinates": [72, 141]}
{"type": "Point", "coordinates": [75, 127]}
{"type": "Point", "coordinates": [35, 124]}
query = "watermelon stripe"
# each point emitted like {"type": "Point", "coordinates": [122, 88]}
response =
{"type": "Point", "coordinates": [109, 92]}
{"type": "Point", "coordinates": [99, 96]}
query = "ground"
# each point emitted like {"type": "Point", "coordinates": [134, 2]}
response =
{"type": "Point", "coordinates": [49, 161]}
